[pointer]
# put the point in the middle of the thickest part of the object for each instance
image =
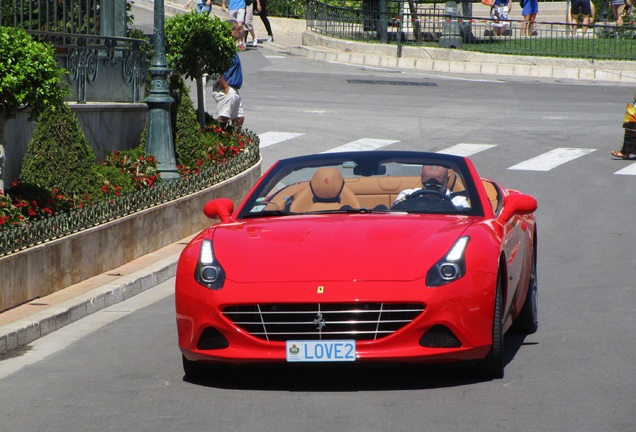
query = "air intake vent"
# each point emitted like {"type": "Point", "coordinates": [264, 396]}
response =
{"type": "Point", "coordinates": [359, 321]}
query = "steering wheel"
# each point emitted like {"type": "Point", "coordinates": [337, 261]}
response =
{"type": "Point", "coordinates": [429, 193]}
{"type": "Point", "coordinates": [426, 200]}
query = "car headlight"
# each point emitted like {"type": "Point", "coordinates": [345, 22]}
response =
{"type": "Point", "coordinates": [451, 267]}
{"type": "Point", "coordinates": [209, 272]}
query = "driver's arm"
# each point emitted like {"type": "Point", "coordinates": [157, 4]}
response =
{"type": "Point", "coordinates": [403, 195]}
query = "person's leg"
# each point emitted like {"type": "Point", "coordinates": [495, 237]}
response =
{"type": "Point", "coordinates": [224, 106]}
{"type": "Point", "coordinates": [249, 24]}
{"type": "Point", "coordinates": [525, 26]}
{"type": "Point", "coordinates": [265, 20]}
{"type": "Point", "coordinates": [586, 23]}
{"type": "Point", "coordinates": [619, 11]}
{"type": "Point", "coordinates": [238, 117]}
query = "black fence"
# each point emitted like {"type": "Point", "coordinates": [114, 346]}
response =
{"type": "Point", "coordinates": [452, 25]}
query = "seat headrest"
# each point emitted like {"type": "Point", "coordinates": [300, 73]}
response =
{"type": "Point", "coordinates": [326, 185]}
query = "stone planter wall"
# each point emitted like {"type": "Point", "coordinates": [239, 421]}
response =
{"type": "Point", "coordinates": [52, 266]}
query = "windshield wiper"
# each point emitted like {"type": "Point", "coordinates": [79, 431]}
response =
{"type": "Point", "coordinates": [265, 213]}
{"type": "Point", "coordinates": [362, 210]}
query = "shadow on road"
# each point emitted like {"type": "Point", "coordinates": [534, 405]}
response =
{"type": "Point", "coordinates": [351, 377]}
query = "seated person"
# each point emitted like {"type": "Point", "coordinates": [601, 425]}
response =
{"type": "Point", "coordinates": [435, 177]}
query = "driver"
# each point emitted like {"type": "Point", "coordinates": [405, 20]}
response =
{"type": "Point", "coordinates": [435, 178]}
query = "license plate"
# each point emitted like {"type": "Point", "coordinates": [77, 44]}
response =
{"type": "Point", "coordinates": [321, 351]}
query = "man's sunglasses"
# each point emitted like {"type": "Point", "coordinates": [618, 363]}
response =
{"type": "Point", "coordinates": [433, 184]}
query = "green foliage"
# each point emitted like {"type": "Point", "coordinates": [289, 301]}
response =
{"type": "Point", "coordinates": [138, 165]}
{"type": "Point", "coordinates": [111, 182]}
{"type": "Point", "coordinates": [58, 155]}
{"type": "Point", "coordinates": [218, 145]}
{"type": "Point", "coordinates": [10, 215]}
{"type": "Point", "coordinates": [188, 137]}
{"type": "Point", "coordinates": [34, 201]}
{"type": "Point", "coordinates": [197, 44]}
{"type": "Point", "coordinates": [29, 75]}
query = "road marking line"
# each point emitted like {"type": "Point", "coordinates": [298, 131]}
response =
{"type": "Point", "coordinates": [628, 170]}
{"type": "Point", "coordinates": [271, 138]}
{"type": "Point", "coordinates": [464, 149]}
{"type": "Point", "coordinates": [551, 159]}
{"type": "Point", "coordinates": [363, 144]}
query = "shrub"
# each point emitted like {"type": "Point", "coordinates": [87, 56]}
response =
{"type": "Point", "coordinates": [29, 75]}
{"type": "Point", "coordinates": [188, 140]}
{"type": "Point", "coordinates": [58, 155]}
{"type": "Point", "coordinates": [34, 202]}
{"type": "Point", "coordinates": [10, 215]}
{"type": "Point", "coordinates": [139, 166]}
{"type": "Point", "coordinates": [111, 182]}
{"type": "Point", "coordinates": [217, 147]}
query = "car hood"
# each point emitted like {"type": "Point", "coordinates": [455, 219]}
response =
{"type": "Point", "coordinates": [335, 247]}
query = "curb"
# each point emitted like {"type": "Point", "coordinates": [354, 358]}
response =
{"type": "Point", "coordinates": [24, 331]}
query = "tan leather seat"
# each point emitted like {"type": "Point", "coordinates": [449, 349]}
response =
{"type": "Point", "coordinates": [327, 191]}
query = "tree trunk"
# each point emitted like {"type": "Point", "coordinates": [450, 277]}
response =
{"type": "Point", "coordinates": [417, 32]}
{"type": "Point", "coordinates": [200, 102]}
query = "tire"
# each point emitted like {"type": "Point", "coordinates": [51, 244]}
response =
{"type": "Point", "coordinates": [527, 322]}
{"type": "Point", "coordinates": [194, 371]}
{"type": "Point", "coordinates": [493, 365]}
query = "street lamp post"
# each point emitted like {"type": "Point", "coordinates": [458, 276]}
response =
{"type": "Point", "coordinates": [159, 140]}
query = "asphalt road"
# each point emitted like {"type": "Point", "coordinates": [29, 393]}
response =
{"type": "Point", "coordinates": [120, 370]}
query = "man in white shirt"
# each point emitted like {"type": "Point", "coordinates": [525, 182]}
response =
{"type": "Point", "coordinates": [435, 177]}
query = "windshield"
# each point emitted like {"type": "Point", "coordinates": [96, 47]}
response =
{"type": "Point", "coordinates": [365, 182]}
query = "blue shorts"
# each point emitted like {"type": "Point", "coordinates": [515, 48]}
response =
{"type": "Point", "coordinates": [530, 7]}
{"type": "Point", "coordinates": [204, 9]}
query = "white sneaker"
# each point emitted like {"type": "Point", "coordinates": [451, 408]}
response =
{"type": "Point", "coordinates": [255, 42]}
{"type": "Point", "coordinates": [270, 39]}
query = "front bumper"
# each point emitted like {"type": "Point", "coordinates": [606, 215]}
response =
{"type": "Point", "coordinates": [463, 309]}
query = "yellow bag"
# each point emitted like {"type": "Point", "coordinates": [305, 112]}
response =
{"type": "Point", "coordinates": [629, 122]}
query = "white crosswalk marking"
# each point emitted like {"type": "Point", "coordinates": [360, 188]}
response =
{"type": "Point", "coordinates": [270, 138]}
{"type": "Point", "coordinates": [544, 162]}
{"type": "Point", "coordinates": [628, 170]}
{"type": "Point", "coordinates": [464, 149]}
{"type": "Point", "coordinates": [363, 144]}
{"type": "Point", "coordinates": [551, 159]}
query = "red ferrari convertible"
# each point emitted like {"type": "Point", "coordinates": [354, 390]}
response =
{"type": "Point", "coordinates": [387, 256]}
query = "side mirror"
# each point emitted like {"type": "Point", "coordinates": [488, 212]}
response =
{"type": "Point", "coordinates": [221, 208]}
{"type": "Point", "coordinates": [517, 204]}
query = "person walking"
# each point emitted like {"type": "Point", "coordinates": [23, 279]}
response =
{"type": "Point", "coordinates": [249, 22]}
{"type": "Point", "coordinates": [261, 8]}
{"type": "Point", "coordinates": [529, 12]}
{"type": "Point", "coordinates": [580, 7]}
{"type": "Point", "coordinates": [236, 12]}
{"type": "Point", "coordinates": [620, 8]}
{"type": "Point", "coordinates": [226, 90]}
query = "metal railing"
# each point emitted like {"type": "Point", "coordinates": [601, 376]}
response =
{"type": "Point", "coordinates": [44, 230]}
{"type": "Point", "coordinates": [434, 25]}
{"type": "Point", "coordinates": [117, 64]}
{"type": "Point", "coordinates": [64, 16]}
{"type": "Point", "coordinates": [120, 63]}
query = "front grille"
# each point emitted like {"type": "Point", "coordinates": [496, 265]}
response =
{"type": "Point", "coordinates": [359, 321]}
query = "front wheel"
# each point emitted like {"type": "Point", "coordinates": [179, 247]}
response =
{"type": "Point", "coordinates": [528, 322]}
{"type": "Point", "coordinates": [493, 365]}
